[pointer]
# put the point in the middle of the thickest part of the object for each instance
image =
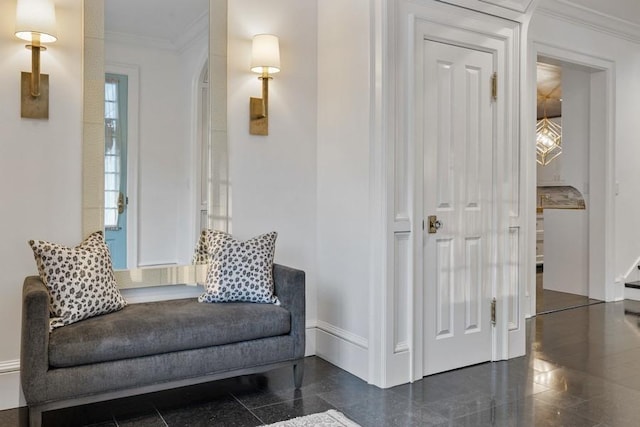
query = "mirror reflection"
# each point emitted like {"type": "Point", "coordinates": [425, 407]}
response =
{"type": "Point", "coordinates": [156, 129]}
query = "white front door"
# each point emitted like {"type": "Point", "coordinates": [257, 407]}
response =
{"type": "Point", "coordinates": [457, 135]}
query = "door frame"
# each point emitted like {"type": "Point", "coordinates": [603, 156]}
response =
{"type": "Point", "coordinates": [501, 38]}
{"type": "Point", "coordinates": [601, 212]}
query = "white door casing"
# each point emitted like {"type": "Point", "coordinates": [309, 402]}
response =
{"type": "Point", "coordinates": [602, 282]}
{"type": "Point", "coordinates": [456, 130]}
{"type": "Point", "coordinates": [498, 39]}
{"type": "Point", "coordinates": [397, 331]}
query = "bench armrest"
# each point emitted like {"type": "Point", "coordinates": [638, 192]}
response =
{"type": "Point", "coordinates": [34, 353]}
{"type": "Point", "coordinates": [290, 290]}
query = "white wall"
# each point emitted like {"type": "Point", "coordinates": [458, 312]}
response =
{"type": "Point", "coordinates": [166, 172]}
{"type": "Point", "coordinates": [40, 170]}
{"type": "Point", "coordinates": [343, 183]}
{"type": "Point", "coordinates": [566, 252]}
{"type": "Point", "coordinates": [626, 56]}
{"type": "Point", "coordinates": [273, 178]}
{"type": "Point", "coordinates": [308, 180]}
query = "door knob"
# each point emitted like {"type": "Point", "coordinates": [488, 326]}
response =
{"type": "Point", "coordinates": [434, 224]}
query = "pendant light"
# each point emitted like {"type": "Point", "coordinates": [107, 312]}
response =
{"type": "Point", "coordinates": [548, 139]}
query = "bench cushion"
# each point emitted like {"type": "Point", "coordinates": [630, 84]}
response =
{"type": "Point", "coordinates": [161, 327]}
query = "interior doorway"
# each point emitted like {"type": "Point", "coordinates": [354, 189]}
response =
{"type": "Point", "coordinates": [564, 137]}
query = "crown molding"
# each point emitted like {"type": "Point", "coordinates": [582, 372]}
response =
{"type": "Point", "coordinates": [521, 6]}
{"type": "Point", "coordinates": [198, 28]}
{"type": "Point", "coordinates": [137, 40]}
{"type": "Point", "coordinates": [570, 11]}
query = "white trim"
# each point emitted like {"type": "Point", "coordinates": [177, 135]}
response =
{"type": "Point", "coordinates": [379, 191]}
{"type": "Point", "coordinates": [401, 347]}
{"type": "Point", "coordinates": [198, 28]}
{"type": "Point", "coordinates": [196, 135]}
{"type": "Point", "coordinates": [517, 337]}
{"type": "Point", "coordinates": [345, 335]}
{"type": "Point", "coordinates": [137, 40]}
{"type": "Point", "coordinates": [10, 391]}
{"type": "Point", "coordinates": [310, 337]}
{"type": "Point", "coordinates": [461, 27]}
{"type": "Point", "coordinates": [514, 10]}
{"type": "Point", "coordinates": [9, 366]}
{"type": "Point", "coordinates": [342, 353]}
{"type": "Point", "coordinates": [602, 283]}
{"type": "Point", "coordinates": [517, 6]}
{"type": "Point", "coordinates": [630, 270]}
{"type": "Point", "coordinates": [632, 294]}
{"type": "Point", "coordinates": [570, 11]}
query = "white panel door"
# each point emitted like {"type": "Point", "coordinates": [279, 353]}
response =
{"type": "Point", "coordinates": [457, 138]}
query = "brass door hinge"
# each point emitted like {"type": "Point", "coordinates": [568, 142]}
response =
{"type": "Point", "coordinates": [493, 312]}
{"type": "Point", "coordinates": [494, 86]}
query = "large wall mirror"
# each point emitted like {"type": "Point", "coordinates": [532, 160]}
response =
{"type": "Point", "coordinates": [154, 150]}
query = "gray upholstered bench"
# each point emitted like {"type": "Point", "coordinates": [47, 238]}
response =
{"type": "Point", "coordinates": [153, 346]}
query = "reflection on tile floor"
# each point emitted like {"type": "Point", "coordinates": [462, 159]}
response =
{"type": "Point", "coordinates": [548, 301]}
{"type": "Point", "coordinates": [582, 369]}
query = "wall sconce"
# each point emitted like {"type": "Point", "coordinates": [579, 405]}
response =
{"type": "Point", "coordinates": [265, 60]}
{"type": "Point", "coordinates": [35, 23]}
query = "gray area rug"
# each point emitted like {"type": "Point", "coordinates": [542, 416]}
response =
{"type": "Point", "coordinates": [331, 418]}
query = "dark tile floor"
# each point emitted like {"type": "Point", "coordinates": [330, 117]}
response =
{"type": "Point", "coordinates": [548, 301]}
{"type": "Point", "coordinates": [582, 369]}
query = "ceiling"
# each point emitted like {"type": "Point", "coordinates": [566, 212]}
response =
{"type": "Point", "coordinates": [549, 85]}
{"type": "Point", "coordinates": [152, 19]}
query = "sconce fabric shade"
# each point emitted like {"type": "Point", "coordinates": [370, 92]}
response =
{"type": "Point", "coordinates": [265, 54]}
{"type": "Point", "coordinates": [36, 19]}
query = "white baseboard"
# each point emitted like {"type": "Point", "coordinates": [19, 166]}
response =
{"type": "Point", "coordinates": [343, 348]}
{"type": "Point", "coordinates": [632, 294]}
{"type": "Point", "coordinates": [10, 390]}
{"type": "Point", "coordinates": [310, 339]}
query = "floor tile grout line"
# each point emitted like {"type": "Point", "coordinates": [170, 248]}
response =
{"type": "Point", "coordinates": [249, 410]}
{"type": "Point", "coordinates": [270, 404]}
{"type": "Point", "coordinates": [558, 310]}
{"type": "Point", "coordinates": [160, 415]}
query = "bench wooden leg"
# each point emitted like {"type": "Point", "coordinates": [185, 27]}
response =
{"type": "Point", "coordinates": [298, 373]}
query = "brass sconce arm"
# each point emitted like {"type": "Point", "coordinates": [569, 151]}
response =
{"type": "Point", "coordinates": [35, 48]}
{"type": "Point", "coordinates": [259, 109]}
{"type": "Point", "coordinates": [35, 23]}
{"type": "Point", "coordinates": [265, 60]}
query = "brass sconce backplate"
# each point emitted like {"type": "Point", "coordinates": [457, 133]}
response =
{"type": "Point", "coordinates": [34, 107]}
{"type": "Point", "coordinates": [258, 121]}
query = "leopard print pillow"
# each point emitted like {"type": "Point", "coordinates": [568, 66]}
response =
{"type": "Point", "coordinates": [239, 271]}
{"type": "Point", "coordinates": [80, 280]}
{"type": "Point", "coordinates": [202, 252]}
